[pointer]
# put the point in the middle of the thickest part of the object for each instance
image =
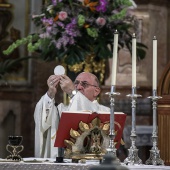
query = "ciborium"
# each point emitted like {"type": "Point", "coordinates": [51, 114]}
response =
{"type": "Point", "coordinates": [14, 147]}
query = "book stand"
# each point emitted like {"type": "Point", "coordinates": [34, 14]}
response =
{"type": "Point", "coordinates": [85, 135]}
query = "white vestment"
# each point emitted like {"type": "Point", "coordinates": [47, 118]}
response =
{"type": "Point", "coordinates": [47, 117]}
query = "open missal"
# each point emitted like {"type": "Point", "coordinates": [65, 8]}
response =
{"type": "Point", "coordinates": [70, 120]}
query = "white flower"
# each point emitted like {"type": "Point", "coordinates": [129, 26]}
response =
{"type": "Point", "coordinates": [49, 7]}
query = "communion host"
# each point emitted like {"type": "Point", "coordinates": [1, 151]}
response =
{"type": "Point", "coordinates": [83, 92]}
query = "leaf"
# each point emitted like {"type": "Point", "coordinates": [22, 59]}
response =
{"type": "Point", "coordinates": [141, 53]}
{"type": "Point", "coordinates": [141, 45]}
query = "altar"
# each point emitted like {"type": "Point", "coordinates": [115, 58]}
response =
{"type": "Point", "coordinates": [67, 165]}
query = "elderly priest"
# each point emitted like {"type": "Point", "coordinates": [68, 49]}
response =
{"type": "Point", "coordinates": [83, 92]}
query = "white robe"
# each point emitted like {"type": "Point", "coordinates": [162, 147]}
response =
{"type": "Point", "coordinates": [47, 120]}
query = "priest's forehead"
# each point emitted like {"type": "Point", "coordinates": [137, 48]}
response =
{"type": "Point", "coordinates": [89, 77]}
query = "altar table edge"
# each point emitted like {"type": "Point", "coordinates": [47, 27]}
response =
{"type": "Point", "coordinates": [68, 166]}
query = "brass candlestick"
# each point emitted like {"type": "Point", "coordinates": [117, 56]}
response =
{"type": "Point", "coordinates": [133, 151]}
{"type": "Point", "coordinates": [154, 158]}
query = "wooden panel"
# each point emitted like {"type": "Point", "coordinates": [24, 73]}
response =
{"type": "Point", "coordinates": [164, 133]}
{"type": "Point", "coordinates": [164, 115]}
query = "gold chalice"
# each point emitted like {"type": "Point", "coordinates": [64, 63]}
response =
{"type": "Point", "coordinates": [14, 147]}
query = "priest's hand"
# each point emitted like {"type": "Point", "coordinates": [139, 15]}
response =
{"type": "Point", "coordinates": [52, 83]}
{"type": "Point", "coordinates": [66, 84]}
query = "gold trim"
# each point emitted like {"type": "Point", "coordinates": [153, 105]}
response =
{"type": "Point", "coordinates": [90, 65]}
{"type": "Point", "coordinates": [53, 137]}
{"type": "Point", "coordinates": [166, 105]}
{"type": "Point", "coordinates": [5, 5]}
{"type": "Point", "coordinates": [96, 136]}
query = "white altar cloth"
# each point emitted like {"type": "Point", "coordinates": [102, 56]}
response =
{"type": "Point", "coordinates": [39, 164]}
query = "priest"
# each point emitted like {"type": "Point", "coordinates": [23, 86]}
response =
{"type": "Point", "coordinates": [83, 92]}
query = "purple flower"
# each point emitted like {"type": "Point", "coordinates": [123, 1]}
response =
{"type": "Point", "coordinates": [45, 35]}
{"type": "Point", "coordinates": [71, 41]}
{"type": "Point", "coordinates": [54, 2]}
{"type": "Point", "coordinates": [47, 21]}
{"type": "Point", "coordinates": [63, 41]}
{"type": "Point", "coordinates": [49, 29]}
{"type": "Point", "coordinates": [102, 6]}
{"type": "Point", "coordinates": [60, 24]}
{"type": "Point", "coordinates": [71, 28]}
{"type": "Point", "coordinates": [58, 44]}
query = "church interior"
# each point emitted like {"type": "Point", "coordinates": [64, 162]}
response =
{"type": "Point", "coordinates": [21, 90]}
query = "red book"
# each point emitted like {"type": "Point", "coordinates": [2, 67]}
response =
{"type": "Point", "coordinates": [71, 120]}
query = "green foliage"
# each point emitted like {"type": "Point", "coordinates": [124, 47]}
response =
{"type": "Point", "coordinates": [71, 29]}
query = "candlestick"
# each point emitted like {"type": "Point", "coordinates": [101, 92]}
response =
{"type": "Point", "coordinates": [111, 149]}
{"type": "Point", "coordinates": [154, 158]}
{"type": "Point", "coordinates": [114, 61]}
{"type": "Point", "coordinates": [133, 151]}
{"type": "Point", "coordinates": [133, 60]}
{"type": "Point", "coordinates": [154, 63]}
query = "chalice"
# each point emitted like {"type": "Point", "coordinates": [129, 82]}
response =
{"type": "Point", "coordinates": [14, 147]}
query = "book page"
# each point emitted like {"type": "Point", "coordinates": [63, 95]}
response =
{"type": "Point", "coordinates": [90, 112]}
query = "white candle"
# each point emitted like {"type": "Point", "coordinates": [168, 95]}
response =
{"type": "Point", "coordinates": [133, 60]}
{"type": "Point", "coordinates": [114, 60]}
{"type": "Point", "coordinates": [154, 63]}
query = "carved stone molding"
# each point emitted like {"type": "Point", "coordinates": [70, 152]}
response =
{"type": "Point", "coordinates": [6, 107]}
{"type": "Point", "coordinates": [4, 4]}
{"type": "Point", "coordinates": [155, 2]}
{"type": "Point", "coordinates": [6, 17]}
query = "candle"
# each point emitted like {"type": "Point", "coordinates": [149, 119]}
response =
{"type": "Point", "coordinates": [133, 60]}
{"type": "Point", "coordinates": [154, 63]}
{"type": "Point", "coordinates": [114, 61]}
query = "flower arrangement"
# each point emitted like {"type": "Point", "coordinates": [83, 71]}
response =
{"type": "Point", "coordinates": [71, 30]}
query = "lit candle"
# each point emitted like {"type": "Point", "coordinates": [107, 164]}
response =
{"type": "Point", "coordinates": [154, 63]}
{"type": "Point", "coordinates": [133, 60]}
{"type": "Point", "coordinates": [114, 61]}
